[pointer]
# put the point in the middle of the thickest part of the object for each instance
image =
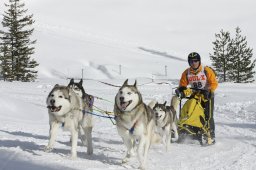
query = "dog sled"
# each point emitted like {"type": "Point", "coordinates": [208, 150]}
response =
{"type": "Point", "coordinates": [192, 122]}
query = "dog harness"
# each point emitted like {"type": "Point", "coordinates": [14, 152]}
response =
{"type": "Point", "coordinates": [132, 128]}
{"type": "Point", "coordinates": [91, 100]}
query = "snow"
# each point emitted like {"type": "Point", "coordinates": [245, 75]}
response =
{"type": "Point", "coordinates": [100, 35]}
{"type": "Point", "coordinates": [73, 32]}
{"type": "Point", "coordinates": [24, 131]}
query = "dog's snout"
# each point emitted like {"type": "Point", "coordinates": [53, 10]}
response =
{"type": "Point", "coordinates": [156, 114]}
{"type": "Point", "coordinates": [121, 99]}
{"type": "Point", "coordinates": [52, 101]}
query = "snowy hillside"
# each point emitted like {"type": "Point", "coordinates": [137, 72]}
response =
{"type": "Point", "coordinates": [86, 34]}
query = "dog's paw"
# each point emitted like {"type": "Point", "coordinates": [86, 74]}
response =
{"type": "Point", "coordinates": [125, 160]}
{"type": "Point", "coordinates": [48, 149]}
{"type": "Point", "coordinates": [142, 167]}
{"type": "Point", "coordinates": [73, 157]}
{"type": "Point", "coordinates": [173, 140]}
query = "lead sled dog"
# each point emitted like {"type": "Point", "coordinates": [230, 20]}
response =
{"type": "Point", "coordinates": [134, 122]}
{"type": "Point", "coordinates": [65, 109]}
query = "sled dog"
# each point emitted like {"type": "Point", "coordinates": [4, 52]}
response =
{"type": "Point", "coordinates": [88, 101]}
{"type": "Point", "coordinates": [134, 121]}
{"type": "Point", "coordinates": [166, 121]}
{"type": "Point", "coordinates": [79, 90]}
{"type": "Point", "coordinates": [66, 109]}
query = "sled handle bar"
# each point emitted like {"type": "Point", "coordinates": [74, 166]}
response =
{"type": "Point", "coordinates": [200, 90]}
{"type": "Point", "coordinates": [196, 90]}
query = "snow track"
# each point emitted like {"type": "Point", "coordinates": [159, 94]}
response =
{"type": "Point", "coordinates": [24, 133]}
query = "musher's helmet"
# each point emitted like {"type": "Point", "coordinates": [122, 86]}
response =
{"type": "Point", "coordinates": [194, 56]}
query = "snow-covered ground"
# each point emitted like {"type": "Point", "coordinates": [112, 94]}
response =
{"type": "Point", "coordinates": [24, 131]}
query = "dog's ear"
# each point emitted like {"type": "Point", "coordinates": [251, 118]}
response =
{"type": "Point", "coordinates": [56, 85]}
{"type": "Point", "coordinates": [81, 82]}
{"type": "Point", "coordinates": [71, 82]}
{"type": "Point", "coordinates": [164, 103]}
{"type": "Point", "coordinates": [155, 105]}
{"type": "Point", "coordinates": [125, 83]}
{"type": "Point", "coordinates": [135, 84]}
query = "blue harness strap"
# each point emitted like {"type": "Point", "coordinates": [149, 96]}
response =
{"type": "Point", "coordinates": [132, 128]}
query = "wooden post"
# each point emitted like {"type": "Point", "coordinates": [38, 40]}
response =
{"type": "Point", "coordinates": [165, 70]}
{"type": "Point", "coordinates": [82, 73]}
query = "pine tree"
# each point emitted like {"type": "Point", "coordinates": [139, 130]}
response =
{"type": "Point", "coordinates": [242, 65]}
{"type": "Point", "coordinates": [6, 63]}
{"type": "Point", "coordinates": [17, 39]}
{"type": "Point", "coordinates": [221, 55]}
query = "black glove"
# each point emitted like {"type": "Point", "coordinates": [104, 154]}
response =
{"type": "Point", "coordinates": [207, 94]}
{"type": "Point", "coordinates": [179, 92]}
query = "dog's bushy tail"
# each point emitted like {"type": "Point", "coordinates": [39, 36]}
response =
{"type": "Point", "coordinates": [152, 103]}
{"type": "Point", "coordinates": [175, 103]}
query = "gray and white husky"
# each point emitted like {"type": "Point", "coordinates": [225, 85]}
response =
{"type": "Point", "coordinates": [65, 109]}
{"type": "Point", "coordinates": [134, 121]}
{"type": "Point", "coordinates": [166, 121]}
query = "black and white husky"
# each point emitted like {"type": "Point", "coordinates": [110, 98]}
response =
{"type": "Point", "coordinates": [65, 108]}
{"type": "Point", "coordinates": [88, 101]}
{"type": "Point", "coordinates": [134, 122]}
{"type": "Point", "coordinates": [166, 121]}
{"type": "Point", "coordinates": [79, 90]}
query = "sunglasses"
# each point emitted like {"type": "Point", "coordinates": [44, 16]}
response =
{"type": "Point", "coordinates": [194, 61]}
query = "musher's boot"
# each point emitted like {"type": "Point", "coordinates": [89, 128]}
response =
{"type": "Point", "coordinates": [212, 132]}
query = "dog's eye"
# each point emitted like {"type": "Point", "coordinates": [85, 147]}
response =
{"type": "Point", "coordinates": [52, 95]}
{"type": "Point", "coordinates": [121, 92]}
{"type": "Point", "coordinates": [60, 96]}
{"type": "Point", "coordinates": [129, 93]}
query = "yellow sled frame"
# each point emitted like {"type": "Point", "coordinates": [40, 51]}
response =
{"type": "Point", "coordinates": [192, 114]}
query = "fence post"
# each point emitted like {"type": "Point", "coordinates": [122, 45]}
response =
{"type": "Point", "coordinates": [120, 69]}
{"type": "Point", "coordinates": [82, 73]}
{"type": "Point", "coordinates": [165, 70]}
